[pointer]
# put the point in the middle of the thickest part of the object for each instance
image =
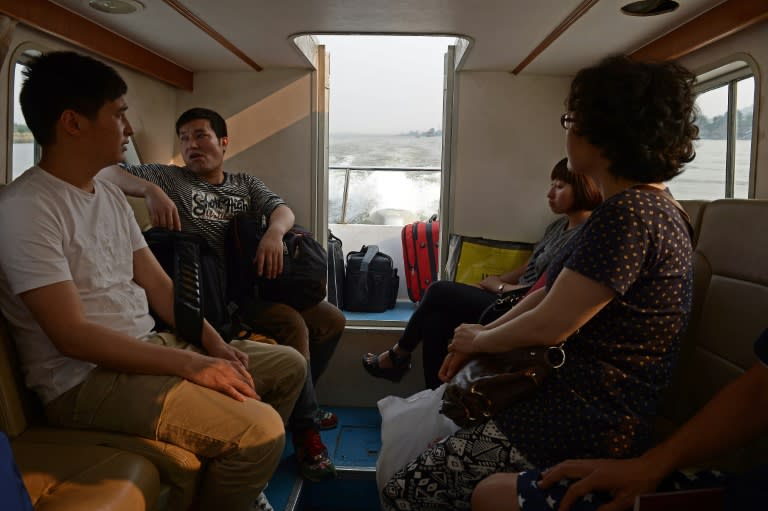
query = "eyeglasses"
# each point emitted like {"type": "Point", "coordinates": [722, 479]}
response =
{"type": "Point", "coordinates": [567, 121]}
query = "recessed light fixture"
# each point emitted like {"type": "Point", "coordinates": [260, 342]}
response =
{"type": "Point", "coordinates": [649, 7]}
{"type": "Point", "coordinates": [116, 6]}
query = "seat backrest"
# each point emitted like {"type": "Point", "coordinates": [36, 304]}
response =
{"type": "Point", "coordinates": [695, 210]}
{"type": "Point", "coordinates": [730, 301]}
{"type": "Point", "coordinates": [141, 212]}
{"type": "Point", "coordinates": [18, 405]}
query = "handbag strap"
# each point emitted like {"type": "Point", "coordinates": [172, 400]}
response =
{"type": "Point", "coordinates": [668, 196]}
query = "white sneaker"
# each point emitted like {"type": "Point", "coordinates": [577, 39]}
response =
{"type": "Point", "coordinates": [262, 504]}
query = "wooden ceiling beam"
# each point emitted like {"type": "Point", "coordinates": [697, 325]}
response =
{"type": "Point", "coordinates": [577, 13]}
{"type": "Point", "coordinates": [719, 22]}
{"type": "Point", "coordinates": [64, 24]}
{"type": "Point", "coordinates": [205, 27]}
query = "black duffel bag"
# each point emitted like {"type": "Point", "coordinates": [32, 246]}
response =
{"type": "Point", "coordinates": [305, 265]}
{"type": "Point", "coordinates": [372, 282]}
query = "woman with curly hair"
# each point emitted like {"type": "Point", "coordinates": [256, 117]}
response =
{"type": "Point", "coordinates": [619, 294]}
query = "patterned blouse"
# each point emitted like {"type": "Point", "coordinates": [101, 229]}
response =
{"type": "Point", "coordinates": [602, 402]}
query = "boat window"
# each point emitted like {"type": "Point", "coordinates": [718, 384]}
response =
{"type": "Point", "coordinates": [24, 151]}
{"type": "Point", "coordinates": [386, 136]}
{"type": "Point", "coordinates": [723, 163]}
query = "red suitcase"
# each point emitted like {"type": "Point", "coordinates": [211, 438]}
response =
{"type": "Point", "coordinates": [421, 245]}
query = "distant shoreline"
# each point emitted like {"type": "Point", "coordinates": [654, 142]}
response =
{"type": "Point", "coordinates": [351, 134]}
{"type": "Point", "coordinates": [23, 138]}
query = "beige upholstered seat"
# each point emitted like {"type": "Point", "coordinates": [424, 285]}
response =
{"type": "Point", "coordinates": [159, 474]}
{"type": "Point", "coordinates": [730, 303]}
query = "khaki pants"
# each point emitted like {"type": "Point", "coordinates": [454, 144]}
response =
{"type": "Point", "coordinates": [243, 440]}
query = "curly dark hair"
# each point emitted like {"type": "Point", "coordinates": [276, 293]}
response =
{"type": "Point", "coordinates": [586, 194]}
{"type": "Point", "coordinates": [641, 115]}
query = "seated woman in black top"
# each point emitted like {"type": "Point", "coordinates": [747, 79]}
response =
{"type": "Point", "coordinates": [619, 294]}
{"type": "Point", "coordinates": [448, 304]}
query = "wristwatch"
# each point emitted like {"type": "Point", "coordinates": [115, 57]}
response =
{"type": "Point", "coordinates": [501, 287]}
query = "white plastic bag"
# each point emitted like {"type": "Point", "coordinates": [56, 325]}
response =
{"type": "Point", "coordinates": [408, 426]}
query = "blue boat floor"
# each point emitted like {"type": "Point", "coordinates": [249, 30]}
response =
{"type": "Point", "coordinates": [354, 447]}
{"type": "Point", "coordinates": [398, 316]}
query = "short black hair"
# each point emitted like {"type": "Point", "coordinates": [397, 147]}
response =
{"type": "Point", "coordinates": [641, 115]}
{"type": "Point", "coordinates": [586, 194]}
{"type": "Point", "coordinates": [65, 80]}
{"type": "Point", "coordinates": [218, 124]}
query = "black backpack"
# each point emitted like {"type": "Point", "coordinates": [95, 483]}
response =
{"type": "Point", "coordinates": [305, 265]}
{"type": "Point", "coordinates": [198, 282]}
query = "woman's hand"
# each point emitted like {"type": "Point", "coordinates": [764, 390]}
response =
{"type": "Point", "coordinates": [459, 350]}
{"type": "Point", "coordinates": [452, 364]}
{"type": "Point", "coordinates": [492, 283]}
{"type": "Point", "coordinates": [464, 338]}
{"type": "Point", "coordinates": [623, 479]}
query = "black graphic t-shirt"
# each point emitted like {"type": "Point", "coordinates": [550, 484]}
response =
{"type": "Point", "coordinates": [206, 209]}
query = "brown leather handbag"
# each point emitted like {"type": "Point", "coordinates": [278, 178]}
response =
{"type": "Point", "coordinates": [491, 382]}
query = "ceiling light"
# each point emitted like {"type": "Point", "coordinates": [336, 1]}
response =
{"type": "Point", "coordinates": [116, 6]}
{"type": "Point", "coordinates": [649, 7]}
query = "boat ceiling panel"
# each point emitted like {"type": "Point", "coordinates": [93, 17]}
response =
{"type": "Point", "coordinates": [503, 31]}
{"type": "Point", "coordinates": [604, 27]}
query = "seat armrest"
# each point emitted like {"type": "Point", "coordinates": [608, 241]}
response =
{"type": "Point", "coordinates": [75, 477]}
{"type": "Point", "coordinates": [177, 467]}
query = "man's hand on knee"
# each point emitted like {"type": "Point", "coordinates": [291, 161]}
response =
{"type": "Point", "coordinates": [230, 377]}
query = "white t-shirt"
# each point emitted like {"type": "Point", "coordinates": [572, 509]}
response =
{"type": "Point", "coordinates": [51, 231]}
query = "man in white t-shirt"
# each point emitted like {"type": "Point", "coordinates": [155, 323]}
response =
{"type": "Point", "coordinates": [76, 284]}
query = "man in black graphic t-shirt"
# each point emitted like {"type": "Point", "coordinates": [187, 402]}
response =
{"type": "Point", "coordinates": [201, 198]}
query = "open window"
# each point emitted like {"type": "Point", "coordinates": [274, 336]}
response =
{"type": "Point", "coordinates": [23, 151]}
{"type": "Point", "coordinates": [386, 136]}
{"type": "Point", "coordinates": [726, 99]}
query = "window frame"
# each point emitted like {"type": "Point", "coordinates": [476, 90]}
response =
{"type": "Point", "coordinates": [21, 54]}
{"type": "Point", "coordinates": [727, 72]}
